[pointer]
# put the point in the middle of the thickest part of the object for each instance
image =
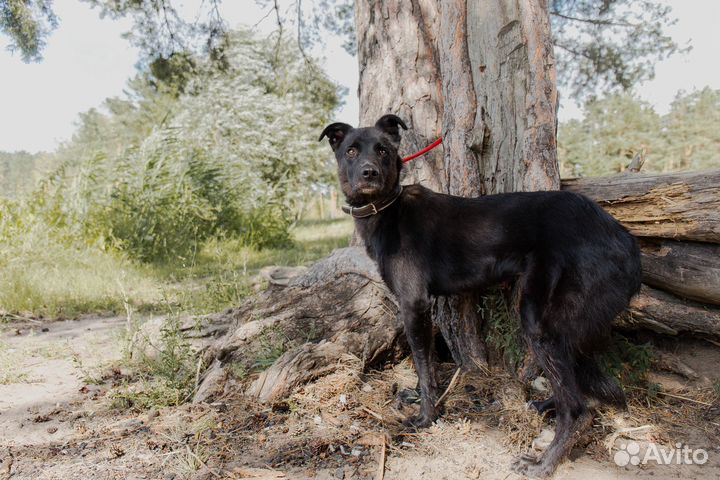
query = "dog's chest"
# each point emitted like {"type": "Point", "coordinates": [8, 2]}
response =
{"type": "Point", "coordinates": [383, 247]}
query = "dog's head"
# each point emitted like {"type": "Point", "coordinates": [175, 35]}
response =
{"type": "Point", "coordinates": [368, 161]}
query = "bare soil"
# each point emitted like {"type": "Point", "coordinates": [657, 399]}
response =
{"type": "Point", "coordinates": [58, 421]}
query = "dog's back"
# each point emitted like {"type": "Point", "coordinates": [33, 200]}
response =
{"type": "Point", "coordinates": [470, 243]}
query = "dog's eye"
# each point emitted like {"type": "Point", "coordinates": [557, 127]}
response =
{"type": "Point", "coordinates": [352, 151]}
{"type": "Point", "coordinates": [382, 151]}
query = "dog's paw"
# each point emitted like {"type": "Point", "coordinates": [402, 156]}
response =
{"type": "Point", "coordinates": [418, 421]}
{"type": "Point", "coordinates": [530, 466]}
{"type": "Point", "coordinates": [408, 396]}
{"type": "Point", "coordinates": [543, 406]}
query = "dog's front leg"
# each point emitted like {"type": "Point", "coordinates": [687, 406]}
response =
{"type": "Point", "coordinates": [418, 329]}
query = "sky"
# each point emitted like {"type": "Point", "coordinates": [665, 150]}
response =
{"type": "Point", "coordinates": [87, 60]}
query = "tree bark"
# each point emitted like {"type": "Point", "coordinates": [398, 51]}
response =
{"type": "Point", "coordinates": [687, 269]}
{"type": "Point", "coordinates": [483, 77]}
{"type": "Point", "coordinates": [680, 206]}
{"type": "Point", "coordinates": [337, 312]}
{"type": "Point", "coordinates": [400, 73]}
{"type": "Point", "coordinates": [514, 79]}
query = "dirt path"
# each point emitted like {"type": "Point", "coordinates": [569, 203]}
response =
{"type": "Point", "coordinates": [58, 421]}
{"type": "Point", "coordinates": [46, 366]}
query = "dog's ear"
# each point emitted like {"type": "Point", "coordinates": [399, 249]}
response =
{"type": "Point", "coordinates": [389, 124]}
{"type": "Point", "coordinates": [335, 132]}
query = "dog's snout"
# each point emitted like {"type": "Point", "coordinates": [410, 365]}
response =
{"type": "Point", "coordinates": [369, 172]}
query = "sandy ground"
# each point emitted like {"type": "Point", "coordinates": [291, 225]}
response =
{"type": "Point", "coordinates": [57, 421]}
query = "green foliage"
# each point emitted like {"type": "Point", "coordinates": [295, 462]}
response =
{"type": "Point", "coordinates": [238, 370]}
{"type": "Point", "coordinates": [619, 126]}
{"type": "Point", "coordinates": [613, 129]}
{"type": "Point", "coordinates": [222, 153]}
{"type": "Point", "coordinates": [692, 131]}
{"type": "Point", "coordinates": [272, 344]}
{"type": "Point", "coordinates": [653, 390]}
{"type": "Point", "coordinates": [167, 374]}
{"type": "Point", "coordinates": [27, 23]}
{"type": "Point", "coordinates": [222, 272]}
{"type": "Point", "coordinates": [173, 72]}
{"type": "Point", "coordinates": [45, 273]}
{"type": "Point", "coordinates": [503, 326]}
{"type": "Point", "coordinates": [627, 361]}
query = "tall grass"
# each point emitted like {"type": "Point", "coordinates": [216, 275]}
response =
{"type": "Point", "coordinates": [44, 273]}
{"type": "Point", "coordinates": [224, 270]}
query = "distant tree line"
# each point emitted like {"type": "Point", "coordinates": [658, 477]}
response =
{"type": "Point", "coordinates": [21, 171]}
{"type": "Point", "coordinates": [617, 127]}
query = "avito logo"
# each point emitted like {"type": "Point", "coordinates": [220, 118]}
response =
{"type": "Point", "coordinates": [629, 454]}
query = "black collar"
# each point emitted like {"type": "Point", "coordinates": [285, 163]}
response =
{"type": "Point", "coordinates": [372, 208]}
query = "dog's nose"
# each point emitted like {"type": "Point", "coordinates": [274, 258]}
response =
{"type": "Point", "coordinates": [369, 172]}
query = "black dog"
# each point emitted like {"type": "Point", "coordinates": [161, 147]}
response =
{"type": "Point", "coordinates": [575, 268]}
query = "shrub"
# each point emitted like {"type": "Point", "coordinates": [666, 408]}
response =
{"type": "Point", "coordinates": [229, 157]}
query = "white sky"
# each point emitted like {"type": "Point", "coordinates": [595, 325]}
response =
{"type": "Point", "coordinates": [86, 61]}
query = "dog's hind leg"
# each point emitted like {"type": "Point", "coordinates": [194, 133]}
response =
{"type": "Point", "coordinates": [572, 415]}
{"type": "Point", "coordinates": [593, 382]}
{"type": "Point", "coordinates": [597, 384]}
{"type": "Point", "coordinates": [555, 354]}
{"type": "Point", "coordinates": [418, 329]}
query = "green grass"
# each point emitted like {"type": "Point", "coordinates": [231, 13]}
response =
{"type": "Point", "coordinates": [41, 276]}
{"type": "Point", "coordinates": [629, 362]}
{"type": "Point", "coordinates": [165, 369]}
{"type": "Point", "coordinates": [221, 275]}
{"type": "Point", "coordinates": [223, 272]}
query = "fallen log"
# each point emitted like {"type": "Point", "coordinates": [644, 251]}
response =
{"type": "Point", "coordinates": [681, 206]}
{"type": "Point", "coordinates": [687, 269]}
{"type": "Point", "coordinates": [670, 315]}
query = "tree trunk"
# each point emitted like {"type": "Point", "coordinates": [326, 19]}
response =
{"type": "Point", "coordinates": [681, 206]}
{"type": "Point", "coordinates": [483, 77]}
{"type": "Point", "coordinates": [336, 312]}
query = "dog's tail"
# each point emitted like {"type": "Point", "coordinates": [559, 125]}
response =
{"type": "Point", "coordinates": [598, 384]}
